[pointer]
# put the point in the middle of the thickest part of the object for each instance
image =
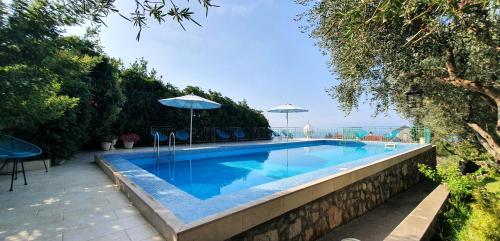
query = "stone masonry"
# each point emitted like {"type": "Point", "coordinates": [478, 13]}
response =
{"type": "Point", "coordinates": [318, 217]}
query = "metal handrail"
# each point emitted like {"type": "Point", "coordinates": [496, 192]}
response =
{"type": "Point", "coordinates": [171, 139]}
{"type": "Point", "coordinates": [171, 150]}
{"type": "Point", "coordinates": [156, 148]}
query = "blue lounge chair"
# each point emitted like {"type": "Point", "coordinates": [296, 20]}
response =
{"type": "Point", "coordinates": [16, 151]}
{"type": "Point", "coordinates": [222, 135]}
{"type": "Point", "coordinates": [287, 134]}
{"type": "Point", "coordinates": [392, 134]}
{"type": "Point", "coordinates": [239, 134]}
{"type": "Point", "coordinates": [161, 137]}
{"type": "Point", "coordinates": [361, 134]}
{"type": "Point", "coordinates": [182, 135]}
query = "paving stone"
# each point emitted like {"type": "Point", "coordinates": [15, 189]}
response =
{"type": "Point", "coordinates": [141, 232]}
{"type": "Point", "coordinates": [117, 236]}
{"type": "Point", "coordinates": [74, 201]}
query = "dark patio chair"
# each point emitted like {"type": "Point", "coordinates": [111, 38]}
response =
{"type": "Point", "coordinates": [240, 135]}
{"type": "Point", "coordinates": [182, 135]}
{"type": "Point", "coordinates": [222, 135]}
{"type": "Point", "coordinates": [16, 151]}
{"type": "Point", "coordinates": [161, 137]}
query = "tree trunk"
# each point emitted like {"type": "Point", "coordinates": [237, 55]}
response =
{"type": "Point", "coordinates": [487, 141]}
{"type": "Point", "coordinates": [492, 92]}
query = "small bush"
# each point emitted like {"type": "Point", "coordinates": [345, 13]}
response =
{"type": "Point", "coordinates": [460, 186]}
{"type": "Point", "coordinates": [453, 219]}
{"type": "Point", "coordinates": [484, 221]}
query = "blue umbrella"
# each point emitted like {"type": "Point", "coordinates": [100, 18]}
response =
{"type": "Point", "coordinates": [190, 102]}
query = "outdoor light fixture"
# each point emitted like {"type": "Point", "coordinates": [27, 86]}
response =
{"type": "Point", "coordinates": [414, 97]}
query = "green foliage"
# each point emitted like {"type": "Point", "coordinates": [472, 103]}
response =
{"type": "Point", "coordinates": [30, 96]}
{"type": "Point", "coordinates": [473, 211]}
{"type": "Point", "coordinates": [107, 98]}
{"type": "Point", "coordinates": [460, 186]}
{"type": "Point", "coordinates": [143, 88]}
{"type": "Point", "coordinates": [484, 221]}
{"type": "Point", "coordinates": [378, 49]}
{"type": "Point", "coordinates": [466, 150]}
{"type": "Point", "coordinates": [470, 151]}
{"type": "Point", "coordinates": [452, 220]}
{"type": "Point", "coordinates": [49, 81]}
{"type": "Point", "coordinates": [29, 83]}
{"type": "Point", "coordinates": [158, 11]}
{"type": "Point", "coordinates": [64, 92]}
{"type": "Point", "coordinates": [493, 183]}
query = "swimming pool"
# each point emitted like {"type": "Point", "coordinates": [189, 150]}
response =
{"type": "Point", "coordinates": [216, 179]}
{"type": "Point", "coordinates": [216, 192]}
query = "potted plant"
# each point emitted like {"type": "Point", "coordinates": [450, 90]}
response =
{"type": "Point", "coordinates": [107, 142]}
{"type": "Point", "coordinates": [129, 140]}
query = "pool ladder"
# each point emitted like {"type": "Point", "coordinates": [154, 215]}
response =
{"type": "Point", "coordinates": [171, 145]}
{"type": "Point", "coordinates": [156, 147]}
{"type": "Point", "coordinates": [171, 151]}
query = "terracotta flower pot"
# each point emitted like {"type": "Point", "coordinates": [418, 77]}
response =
{"type": "Point", "coordinates": [105, 146]}
{"type": "Point", "coordinates": [128, 144]}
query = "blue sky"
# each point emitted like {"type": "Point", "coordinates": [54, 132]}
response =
{"type": "Point", "coordinates": [251, 50]}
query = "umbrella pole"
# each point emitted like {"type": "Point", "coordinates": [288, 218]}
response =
{"type": "Point", "coordinates": [191, 129]}
{"type": "Point", "coordinates": [288, 133]}
{"type": "Point", "coordinates": [287, 120]}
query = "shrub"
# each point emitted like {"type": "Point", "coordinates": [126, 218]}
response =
{"type": "Point", "coordinates": [107, 98]}
{"type": "Point", "coordinates": [484, 221]}
{"type": "Point", "coordinates": [143, 88]}
{"type": "Point", "coordinates": [142, 110]}
{"type": "Point", "coordinates": [472, 212]}
{"type": "Point", "coordinates": [460, 186]}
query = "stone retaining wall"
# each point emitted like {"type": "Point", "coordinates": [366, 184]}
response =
{"type": "Point", "coordinates": [316, 218]}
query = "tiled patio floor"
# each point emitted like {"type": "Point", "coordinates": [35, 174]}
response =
{"type": "Point", "coordinates": [74, 201]}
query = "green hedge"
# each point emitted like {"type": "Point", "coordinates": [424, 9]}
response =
{"type": "Point", "coordinates": [64, 93]}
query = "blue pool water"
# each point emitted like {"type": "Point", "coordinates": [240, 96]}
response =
{"type": "Point", "coordinates": [202, 182]}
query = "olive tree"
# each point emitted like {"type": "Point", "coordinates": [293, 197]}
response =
{"type": "Point", "coordinates": [145, 10]}
{"type": "Point", "coordinates": [449, 49]}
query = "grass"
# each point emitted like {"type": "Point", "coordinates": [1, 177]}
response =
{"type": "Point", "coordinates": [492, 184]}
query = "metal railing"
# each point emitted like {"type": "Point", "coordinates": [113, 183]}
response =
{"type": "Point", "coordinates": [385, 134]}
{"type": "Point", "coordinates": [209, 134]}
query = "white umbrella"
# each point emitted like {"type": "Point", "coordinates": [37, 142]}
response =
{"type": "Point", "coordinates": [190, 102]}
{"type": "Point", "coordinates": [287, 108]}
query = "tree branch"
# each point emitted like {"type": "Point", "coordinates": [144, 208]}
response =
{"type": "Point", "coordinates": [450, 63]}
{"type": "Point", "coordinates": [489, 91]}
{"type": "Point", "coordinates": [492, 92]}
{"type": "Point", "coordinates": [486, 140]}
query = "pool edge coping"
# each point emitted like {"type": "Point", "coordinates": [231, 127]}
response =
{"type": "Point", "coordinates": [233, 221]}
{"type": "Point", "coordinates": [152, 210]}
